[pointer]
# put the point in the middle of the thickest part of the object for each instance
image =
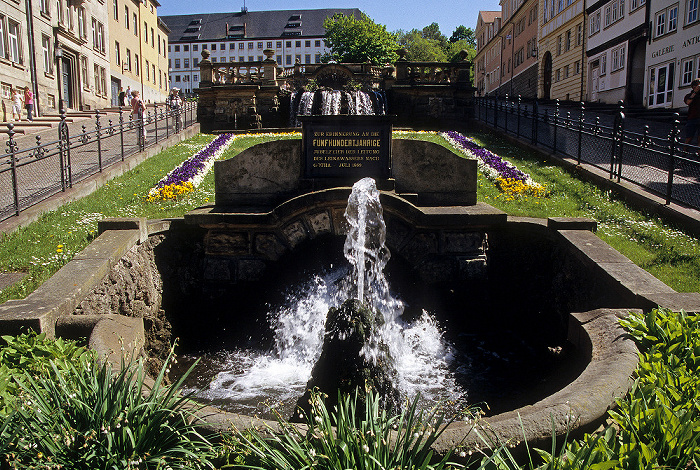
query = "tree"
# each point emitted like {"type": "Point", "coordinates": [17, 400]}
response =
{"type": "Point", "coordinates": [359, 40]}
{"type": "Point", "coordinates": [419, 48]}
{"type": "Point", "coordinates": [461, 32]}
{"type": "Point", "coordinates": [432, 32]}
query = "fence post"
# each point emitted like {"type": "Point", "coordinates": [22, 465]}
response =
{"type": "Point", "coordinates": [155, 121]}
{"type": "Point", "coordinates": [535, 113]}
{"type": "Point", "coordinates": [673, 137]}
{"type": "Point", "coordinates": [167, 127]}
{"type": "Point", "coordinates": [495, 112]}
{"type": "Point", "coordinates": [64, 141]}
{"type": "Point", "coordinates": [580, 132]}
{"type": "Point", "coordinates": [518, 128]}
{"type": "Point", "coordinates": [556, 117]}
{"type": "Point", "coordinates": [98, 134]}
{"type": "Point", "coordinates": [121, 131]}
{"type": "Point", "coordinates": [12, 150]}
{"type": "Point", "coordinates": [505, 112]}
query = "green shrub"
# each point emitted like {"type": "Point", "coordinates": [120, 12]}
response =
{"type": "Point", "coordinates": [344, 439]}
{"type": "Point", "coordinates": [86, 417]}
{"type": "Point", "coordinates": [32, 354]}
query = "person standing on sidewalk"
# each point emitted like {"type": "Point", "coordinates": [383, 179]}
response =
{"type": "Point", "coordinates": [29, 103]}
{"type": "Point", "coordinates": [692, 99]}
{"type": "Point", "coordinates": [16, 105]}
{"type": "Point", "coordinates": [175, 103]}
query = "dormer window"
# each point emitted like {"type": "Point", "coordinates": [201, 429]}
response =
{"type": "Point", "coordinates": [294, 18]}
{"type": "Point", "coordinates": [292, 25]}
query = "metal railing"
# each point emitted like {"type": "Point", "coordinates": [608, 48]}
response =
{"type": "Point", "coordinates": [33, 174]}
{"type": "Point", "coordinates": [629, 150]}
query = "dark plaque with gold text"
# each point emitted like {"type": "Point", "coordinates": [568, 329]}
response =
{"type": "Point", "coordinates": [346, 146]}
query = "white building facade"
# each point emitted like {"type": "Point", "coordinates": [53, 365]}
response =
{"type": "Point", "coordinates": [673, 55]}
{"type": "Point", "coordinates": [616, 50]}
{"type": "Point", "coordinates": [293, 35]}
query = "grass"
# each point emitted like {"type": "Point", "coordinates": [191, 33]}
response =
{"type": "Point", "coordinates": [41, 248]}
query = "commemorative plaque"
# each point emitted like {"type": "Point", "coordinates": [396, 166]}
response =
{"type": "Point", "coordinates": [346, 146]}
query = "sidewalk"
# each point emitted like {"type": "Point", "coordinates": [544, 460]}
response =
{"type": "Point", "coordinates": [86, 178]}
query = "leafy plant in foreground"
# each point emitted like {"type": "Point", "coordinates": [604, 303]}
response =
{"type": "Point", "coordinates": [345, 439]}
{"type": "Point", "coordinates": [92, 418]}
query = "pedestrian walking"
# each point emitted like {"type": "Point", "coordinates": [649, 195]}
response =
{"type": "Point", "coordinates": [175, 104]}
{"type": "Point", "coordinates": [17, 99]}
{"type": "Point", "coordinates": [129, 96]}
{"type": "Point", "coordinates": [29, 103]}
{"type": "Point", "coordinates": [692, 99]}
{"type": "Point", "coordinates": [137, 110]}
{"type": "Point", "coordinates": [122, 97]}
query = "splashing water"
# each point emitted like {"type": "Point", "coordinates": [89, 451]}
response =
{"type": "Point", "coordinates": [246, 379]}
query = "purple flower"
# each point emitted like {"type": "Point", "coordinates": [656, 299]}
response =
{"type": "Point", "coordinates": [193, 165]}
{"type": "Point", "coordinates": [504, 169]}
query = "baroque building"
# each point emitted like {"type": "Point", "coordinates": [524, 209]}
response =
{"type": "Point", "coordinates": [292, 35]}
{"type": "Point", "coordinates": [487, 25]}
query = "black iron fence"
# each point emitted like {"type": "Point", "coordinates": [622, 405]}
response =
{"type": "Point", "coordinates": [649, 155]}
{"type": "Point", "coordinates": [32, 174]}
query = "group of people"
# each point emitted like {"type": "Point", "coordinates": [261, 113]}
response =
{"type": "Point", "coordinates": [132, 99]}
{"type": "Point", "coordinates": [22, 99]}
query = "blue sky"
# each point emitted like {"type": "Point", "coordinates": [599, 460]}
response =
{"type": "Point", "coordinates": [406, 14]}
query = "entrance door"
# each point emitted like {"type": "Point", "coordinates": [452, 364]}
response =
{"type": "Point", "coordinates": [67, 77]}
{"type": "Point", "coordinates": [661, 85]}
{"type": "Point", "coordinates": [115, 91]}
{"type": "Point", "coordinates": [547, 75]}
{"type": "Point", "coordinates": [595, 83]}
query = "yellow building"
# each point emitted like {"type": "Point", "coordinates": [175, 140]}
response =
{"type": "Point", "coordinates": [562, 50]}
{"type": "Point", "coordinates": [139, 54]}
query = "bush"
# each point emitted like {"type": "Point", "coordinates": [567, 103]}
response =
{"type": "Point", "coordinates": [343, 440]}
{"type": "Point", "coordinates": [87, 417]}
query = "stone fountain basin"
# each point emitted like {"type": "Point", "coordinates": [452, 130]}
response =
{"type": "Point", "coordinates": [112, 262]}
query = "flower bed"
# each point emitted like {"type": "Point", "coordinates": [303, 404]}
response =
{"type": "Point", "coordinates": [505, 175]}
{"type": "Point", "coordinates": [189, 174]}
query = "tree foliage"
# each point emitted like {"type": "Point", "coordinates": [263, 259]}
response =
{"type": "Point", "coordinates": [360, 40]}
{"type": "Point", "coordinates": [430, 45]}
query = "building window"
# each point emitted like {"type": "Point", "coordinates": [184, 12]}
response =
{"type": "Point", "coordinates": [297, 44]}
{"type": "Point", "coordinates": [115, 8]}
{"type": "Point", "coordinates": [279, 44]}
{"type": "Point", "coordinates": [604, 64]}
{"type": "Point", "coordinates": [177, 48]}
{"type": "Point", "coordinates": [567, 43]}
{"type": "Point", "coordinates": [13, 36]}
{"type": "Point", "coordinates": [618, 58]}
{"type": "Point", "coordinates": [136, 24]}
{"type": "Point", "coordinates": [634, 4]}
{"type": "Point", "coordinates": [279, 59]}
{"type": "Point", "coordinates": [661, 23]}
{"type": "Point", "coordinates": [691, 7]}
{"type": "Point", "coordinates": [577, 67]}
{"type": "Point", "coordinates": [241, 46]}
{"type": "Point", "coordinates": [126, 17]}
{"type": "Point", "coordinates": [195, 77]}
{"type": "Point", "coordinates": [117, 53]}
{"type": "Point", "coordinates": [187, 63]}
{"type": "Point", "coordinates": [177, 63]}
{"type": "Point", "coordinates": [84, 71]}
{"type": "Point", "coordinates": [288, 44]}
{"type": "Point", "coordinates": [136, 64]}
{"type": "Point", "coordinates": [673, 18]}
{"type": "Point", "coordinates": [557, 75]}
{"type": "Point", "coordinates": [317, 43]}
{"type": "Point", "coordinates": [250, 58]}
{"type": "Point", "coordinates": [195, 47]}
{"type": "Point", "coordinates": [223, 46]}
{"type": "Point", "coordinates": [214, 59]}
{"type": "Point", "coordinates": [307, 43]}
{"type": "Point", "coordinates": [82, 23]}
{"type": "Point", "coordinates": [559, 45]}
{"type": "Point", "coordinates": [260, 45]}
{"type": "Point", "coordinates": [195, 62]}
{"type": "Point", "coordinates": [594, 23]}
{"type": "Point", "coordinates": [269, 44]}
{"type": "Point", "coordinates": [177, 79]}
{"type": "Point", "coordinates": [47, 53]}
{"type": "Point", "coordinates": [45, 8]}
{"type": "Point", "coordinates": [250, 45]}
{"type": "Point", "coordinates": [288, 60]}
{"type": "Point", "coordinates": [307, 58]}
{"type": "Point", "coordinates": [688, 68]}
{"type": "Point", "coordinates": [579, 34]}
{"type": "Point", "coordinates": [317, 59]}
{"type": "Point", "coordinates": [153, 45]}
{"type": "Point", "coordinates": [148, 77]}
{"type": "Point", "coordinates": [128, 60]}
